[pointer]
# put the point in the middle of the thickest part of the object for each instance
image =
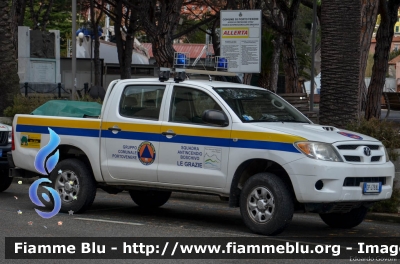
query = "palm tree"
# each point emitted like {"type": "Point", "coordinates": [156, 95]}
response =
{"type": "Point", "coordinates": [340, 58]}
{"type": "Point", "coordinates": [8, 75]}
{"type": "Point", "coordinates": [388, 12]}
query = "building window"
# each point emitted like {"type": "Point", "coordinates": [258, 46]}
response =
{"type": "Point", "coordinates": [397, 28]}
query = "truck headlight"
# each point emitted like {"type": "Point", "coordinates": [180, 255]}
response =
{"type": "Point", "coordinates": [9, 137]}
{"type": "Point", "coordinates": [386, 154]}
{"type": "Point", "coordinates": [318, 150]}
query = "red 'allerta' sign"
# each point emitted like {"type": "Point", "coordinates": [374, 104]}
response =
{"type": "Point", "coordinates": [236, 32]}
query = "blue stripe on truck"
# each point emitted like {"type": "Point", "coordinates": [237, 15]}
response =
{"type": "Point", "coordinates": [222, 142]}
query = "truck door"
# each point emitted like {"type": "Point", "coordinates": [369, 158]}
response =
{"type": "Point", "coordinates": [192, 152]}
{"type": "Point", "coordinates": [130, 132]}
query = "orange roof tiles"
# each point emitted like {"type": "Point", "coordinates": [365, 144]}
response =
{"type": "Point", "coordinates": [394, 60]}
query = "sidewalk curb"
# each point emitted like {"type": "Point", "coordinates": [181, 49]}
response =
{"type": "Point", "coordinates": [381, 217]}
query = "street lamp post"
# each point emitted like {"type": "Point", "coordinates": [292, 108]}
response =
{"type": "Point", "coordinates": [314, 28]}
{"type": "Point", "coordinates": [73, 95]}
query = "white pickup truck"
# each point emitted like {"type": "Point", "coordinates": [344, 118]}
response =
{"type": "Point", "coordinates": [243, 143]}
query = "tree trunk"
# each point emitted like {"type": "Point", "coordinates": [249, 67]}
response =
{"type": "Point", "coordinates": [124, 47]}
{"type": "Point", "coordinates": [340, 62]}
{"type": "Point", "coordinates": [96, 58]}
{"type": "Point", "coordinates": [290, 66]}
{"type": "Point", "coordinates": [17, 19]}
{"type": "Point", "coordinates": [247, 78]}
{"type": "Point", "coordinates": [274, 73]}
{"type": "Point", "coordinates": [289, 51]}
{"type": "Point", "coordinates": [215, 39]}
{"type": "Point", "coordinates": [9, 80]}
{"type": "Point", "coordinates": [369, 13]}
{"type": "Point", "coordinates": [40, 24]}
{"type": "Point", "coordinates": [159, 21]}
{"type": "Point", "coordinates": [384, 36]}
{"type": "Point", "coordinates": [46, 15]}
{"type": "Point", "coordinates": [163, 50]}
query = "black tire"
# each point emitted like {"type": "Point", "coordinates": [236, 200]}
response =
{"type": "Point", "coordinates": [345, 220]}
{"type": "Point", "coordinates": [150, 199]}
{"type": "Point", "coordinates": [274, 207]}
{"type": "Point", "coordinates": [5, 181]}
{"type": "Point", "coordinates": [76, 185]}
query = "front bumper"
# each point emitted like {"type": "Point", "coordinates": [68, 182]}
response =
{"type": "Point", "coordinates": [305, 172]}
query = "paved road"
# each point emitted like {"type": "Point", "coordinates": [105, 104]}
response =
{"type": "Point", "coordinates": [183, 216]}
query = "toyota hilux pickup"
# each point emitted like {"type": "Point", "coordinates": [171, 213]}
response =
{"type": "Point", "coordinates": [242, 143]}
{"type": "Point", "coordinates": [5, 147]}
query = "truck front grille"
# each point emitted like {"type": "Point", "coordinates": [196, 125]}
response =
{"type": "Point", "coordinates": [356, 181]}
{"type": "Point", "coordinates": [375, 158]}
{"type": "Point", "coordinates": [352, 147]}
{"type": "Point", "coordinates": [3, 138]}
{"type": "Point", "coordinates": [352, 158]}
{"type": "Point", "coordinates": [361, 153]}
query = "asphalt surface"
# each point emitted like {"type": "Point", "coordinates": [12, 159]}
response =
{"type": "Point", "coordinates": [185, 215]}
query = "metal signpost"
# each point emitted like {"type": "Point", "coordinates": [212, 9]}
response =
{"type": "Point", "coordinates": [241, 40]}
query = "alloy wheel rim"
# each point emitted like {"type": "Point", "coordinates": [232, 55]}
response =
{"type": "Point", "coordinates": [260, 205]}
{"type": "Point", "coordinates": [67, 185]}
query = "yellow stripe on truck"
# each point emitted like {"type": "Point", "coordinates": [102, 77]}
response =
{"type": "Point", "coordinates": [59, 122]}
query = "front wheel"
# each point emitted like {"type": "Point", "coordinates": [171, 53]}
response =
{"type": "Point", "coordinates": [75, 183]}
{"type": "Point", "coordinates": [150, 199]}
{"type": "Point", "coordinates": [266, 204]}
{"type": "Point", "coordinates": [345, 220]}
{"type": "Point", "coordinates": [5, 181]}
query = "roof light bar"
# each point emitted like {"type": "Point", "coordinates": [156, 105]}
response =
{"type": "Point", "coordinates": [221, 63]}
{"type": "Point", "coordinates": [163, 74]}
{"type": "Point", "coordinates": [180, 75]}
{"type": "Point", "coordinates": [181, 59]}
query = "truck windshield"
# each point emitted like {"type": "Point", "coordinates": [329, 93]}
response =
{"type": "Point", "coordinates": [253, 105]}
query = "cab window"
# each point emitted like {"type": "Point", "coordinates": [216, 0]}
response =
{"type": "Point", "coordinates": [188, 105]}
{"type": "Point", "coordinates": [141, 101]}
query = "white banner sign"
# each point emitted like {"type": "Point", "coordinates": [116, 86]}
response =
{"type": "Point", "coordinates": [241, 40]}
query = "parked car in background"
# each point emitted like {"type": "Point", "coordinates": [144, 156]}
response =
{"type": "Point", "coordinates": [5, 146]}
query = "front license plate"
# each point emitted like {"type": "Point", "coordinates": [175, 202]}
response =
{"type": "Point", "coordinates": [372, 187]}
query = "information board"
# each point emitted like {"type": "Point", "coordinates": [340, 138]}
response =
{"type": "Point", "coordinates": [241, 40]}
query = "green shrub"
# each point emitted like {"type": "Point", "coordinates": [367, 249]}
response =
{"type": "Point", "coordinates": [385, 131]}
{"type": "Point", "coordinates": [388, 133]}
{"type": "Point", "coordinates": [25, 105]}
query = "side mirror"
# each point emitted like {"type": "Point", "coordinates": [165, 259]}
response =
{"type": "Point", "coordinates": [215, 117]}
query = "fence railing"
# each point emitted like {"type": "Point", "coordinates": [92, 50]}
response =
{"type": "Point", "coordinates": [57, 90]}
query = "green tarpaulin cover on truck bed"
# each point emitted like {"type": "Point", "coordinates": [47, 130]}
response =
{"type": "Point", "coordinates": [69, 109]}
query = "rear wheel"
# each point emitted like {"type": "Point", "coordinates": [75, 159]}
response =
{"type": "Point", "coordinates": [75, 183]}
{"type": "Point", "coordinates": [5, 181]}
{"type": "Point", "coordinates": [150, 199]}
{"type": "Point", "coordinates": [266, 204]}
{"type": "Point", "coordinates": [345, 220]}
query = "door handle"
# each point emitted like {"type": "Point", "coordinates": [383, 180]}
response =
{"type": "Point", "coordinates": [114, 129]}
{"type": "Point", "coordinates": [168, 133]}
